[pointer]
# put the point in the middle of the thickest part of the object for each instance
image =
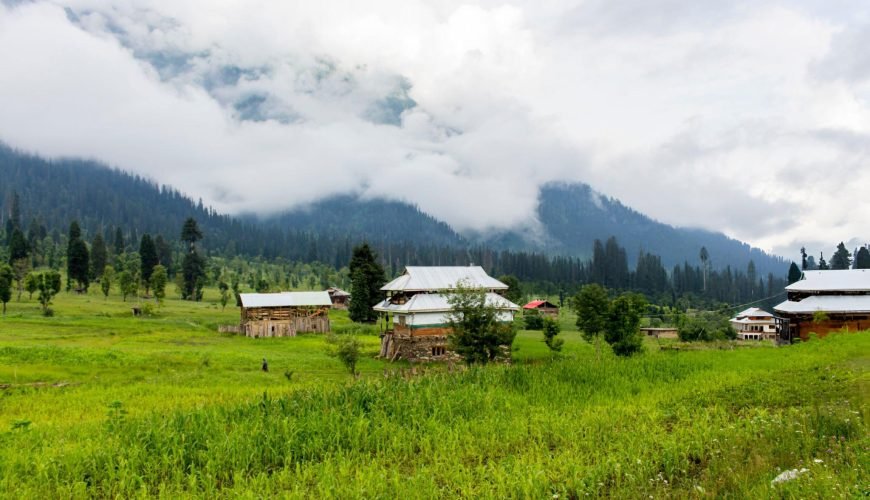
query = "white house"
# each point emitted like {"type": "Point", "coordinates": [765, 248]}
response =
{"type": "Point", "coordinates": [416, 308]}
{"type": "Point", "coordinates": [754, 324]}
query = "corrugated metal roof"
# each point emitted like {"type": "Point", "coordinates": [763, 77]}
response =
{"type": "Point", "coordinates": [537, 303]}
{"type": "Point", "coordinates": [338, 292]}
{"type": "Point", "coordinates": [827, 303]}
{"type": "Point", "coordinates": [851, 280]}
{"type": "Point", "coordinates": [285, 299]}
{"type": "Point", "coordinates": [432, 302]}
{"type": "Point", "coordinates": [422, 278]}
{"type": "Point", "coordinates": [753, 312]}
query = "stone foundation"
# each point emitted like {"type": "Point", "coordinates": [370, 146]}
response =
{"type": "Point", "coordinates": [423, 349]}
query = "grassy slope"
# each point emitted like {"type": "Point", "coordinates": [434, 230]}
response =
{"type": "Point", "coordinates": [167, 405]}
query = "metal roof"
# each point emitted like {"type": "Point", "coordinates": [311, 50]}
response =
{"type": "Point", "coordinates": [285, 299]}
{"type": "Point", "coordinates": [435, 302]}
{"type": "Point", "coordinates": [338, 292]}
{"type": "Point", "coordinates": [847, 280]}
{"type": "Point", "coordinates": [827, 303]}
{"type": "Point", "coordinates": [421, 278]}
{"type": "Point", "coordinates": [537, 303]}
{"type": "Point", "coordinates": [754, 312]}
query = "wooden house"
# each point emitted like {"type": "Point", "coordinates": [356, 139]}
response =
{"type": "Point", "coordinates": [284, 314]}
{"type": "Point", "coordinates": [340, 298]}
{"type": "Point", "coordinates": [542, 307]}
{"type": "Point", "coordinates": [825, 301]}
{"type": "Point", "coordinates": [415, 311]}
{"type": "Point", "coordinates": [754, 324]}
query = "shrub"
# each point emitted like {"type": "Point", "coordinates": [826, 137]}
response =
{"type": "Point", "coordinates": [348, 353]}
{"type": "Point", "coordinates": [533, 321]}
{"type": "Point", "coordinates": [551, 329]}
{"type": "Point", "coordinates": [706, 327]}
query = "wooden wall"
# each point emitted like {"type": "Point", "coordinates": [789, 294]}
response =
{"type": "Point", "coordinates": [284, 321]}
{"type": "Point", "coordinates": [855, 324]}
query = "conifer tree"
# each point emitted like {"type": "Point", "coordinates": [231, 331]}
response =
{"type": "Point", "coordinates": [841, 259]}
{"type": "Point", "coordinates": [193, 265]}
{"type": "Point", "coordinates": [77, 266]}
{"type": "Point", "coordinates": [99, 256]}
{"type": "Point", "coordinates": [862, 258]}
{"type": "Point", "coordinates": [367, 278]}
{"type": "Point", "coordinates": [794, 274]}
{"type": "Point", "coordinates": [6, 278]}
{"type": "Point", "coordinates": [823, 266]}
{"type": "Point", "coordinates": [119, 242]}
{"type": "Point", "coordinates": [147, 259]}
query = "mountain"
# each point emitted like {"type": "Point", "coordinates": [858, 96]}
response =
{"type": "Point", "coordinates": [372, 219]}
{"type": "Point", "coordinates": [572, 217]}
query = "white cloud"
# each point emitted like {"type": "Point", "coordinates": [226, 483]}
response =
{"type": "Point", "coordinates": [736, 116]}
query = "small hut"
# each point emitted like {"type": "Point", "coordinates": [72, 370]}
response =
{"type": "Point", "coordinates": [542, 307]}
{"type": "Point", "coordinates": [339, 297]}
{"type": "Point", "coordinates": [284, 314]}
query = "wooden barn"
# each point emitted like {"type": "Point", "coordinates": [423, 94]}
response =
{"type": "Point", "coordinates": [340, 298]}
{"type": "Point", "coordinates": [416, 309]}
{"type": "Point", "coordinates": [825, 301]}
{"type": "Point", "coordinates": [284, 314]}
{"type": "Point", "coordinates": [542, 307]}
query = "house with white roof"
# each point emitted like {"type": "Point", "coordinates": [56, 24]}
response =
{"type": "Point", "coordinates": [825, 301]}
{"type": "Point", "coordinates": [754, 324]}
{"type": "Point", "coordinates": [416, 308]}
{"type": "Point", "coordinates": [284, 314]}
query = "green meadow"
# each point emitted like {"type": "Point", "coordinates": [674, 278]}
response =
{"type": "Point", "coordinates": [95, 402]}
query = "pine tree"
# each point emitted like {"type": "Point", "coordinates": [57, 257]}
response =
{"type": "Point", "coordinates": [99, 256]}
{"type": "Point", "coordinates": [17, 246]}
{"type": "Point", "coordinates": [77, 258]}
{"type": "Point", "coordinates": [119, 242]}
{"type": "Point", "coordinates": [841, 259]}
{"type": "Point", "coordinates": [823, 266]}
{"type": "Point", "coordinates": [147, 259]}
{"type": "Point", "coordinates": [6, 278]}
{"type": "Point", "coordinates": [193, 265]}
{"type": "Point", "coordinates": [862, 258]}
{"type": "Point", "coordinates": [794, 274]}
{"type": "Point", "coordinates": [367, 278]}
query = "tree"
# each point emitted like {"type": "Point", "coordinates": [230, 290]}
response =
{"type": "Point", "coordinates": [106, 280]}
{"type": "Point", "coordinates": [794, 274]}
{"type": "Point", "coordinates": [862, 258]}
{"type": "Point", "coordinates": [147, 260]}
{"type": "Point", "coordinates": [705, 257]}
{"type": "Point", "coordinates": [119, 242]}
{"type": "Point", "coordinates": [20, 268]}
{"type": "Point", "coordinates": [164, 252]}
{"type": "Point", "coordinates": [158, 281]}
{"type": "Point", "coordinates": [551, 330]}
{"type": "Point", "coordinates": [514, 292]}
{"type": "Point", "coordinates": [17, 246]}
{"type": "Point", "coordinates": [128, 284]}
{"type": "Point", "coordinates": [591, 305]}
{"type": "Point", "coordinates": [804, 262]}
{"type": "Point", "coordinates": [6, 278]}
{"type": "Point", "coordinates": [841, 259]}
{"type": "Point", "coordinates": [49, 284]}
{"type": "Point", "coordinates": [348, 352]}
{"type": "Point", "coordinates": [193, 265]}
{"type": "Point", "coordinates": [478, 335]}
{"type": "Point", "coordinates": [823, 266]}
{"type": "Point", "coordinates": [367, 278]}
{"type": "Point", "coordinates": [225, 294]}
{"type": "Point", "coordinates": [706, 327]}
{"type": "Point", "coordinates": [623, 324]}
{"type": "Point", "coordinates": [77, 258]}
{"type": "Point", "coordinates": [31, 285]}
{"type": "Point", "coordinates": [99, 256]}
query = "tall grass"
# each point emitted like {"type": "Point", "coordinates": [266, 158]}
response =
{"type": "Point", "coordinates": [685, 424]}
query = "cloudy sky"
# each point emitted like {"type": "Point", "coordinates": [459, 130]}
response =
{"type": "Point", "coordinates": [748, 117]}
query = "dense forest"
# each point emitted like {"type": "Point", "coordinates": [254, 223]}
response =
{"type": "Point", "coordinates": [121, 208]}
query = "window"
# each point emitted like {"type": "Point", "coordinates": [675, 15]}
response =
{"type": "Point", "coordinates": [438, 350]}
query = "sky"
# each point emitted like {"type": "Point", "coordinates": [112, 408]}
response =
{"type": "Point", "coordinates": [750, 118]}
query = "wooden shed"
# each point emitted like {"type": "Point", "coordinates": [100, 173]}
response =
{"type": "Point", "coordinates": [542, 307]}
{"type": "Point", "coordinates": [284, 314]}
{"type": "Point", "coordinates": [340, 298]}
{"type": "Point", "coordinates": [825, 301]}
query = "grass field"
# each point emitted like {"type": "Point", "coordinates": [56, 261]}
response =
{"type": "Point", "coordinates": [97, 403]}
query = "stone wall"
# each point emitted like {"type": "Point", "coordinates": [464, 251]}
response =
{"type": "Point", "coordinates": [423, 348]}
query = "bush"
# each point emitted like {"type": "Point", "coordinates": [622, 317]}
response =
{"type": "Point", "coordinates": [533, 321]}
{"type": "Point", "coordinates": [348, 353]}
{"type": "Point", "coordinates": [551, 329]}
{"type": "Point", "coordinates": [706, 327]}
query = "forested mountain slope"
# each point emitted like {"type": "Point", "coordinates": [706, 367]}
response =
{"type": "Point", "coordinates": [572, 216]}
